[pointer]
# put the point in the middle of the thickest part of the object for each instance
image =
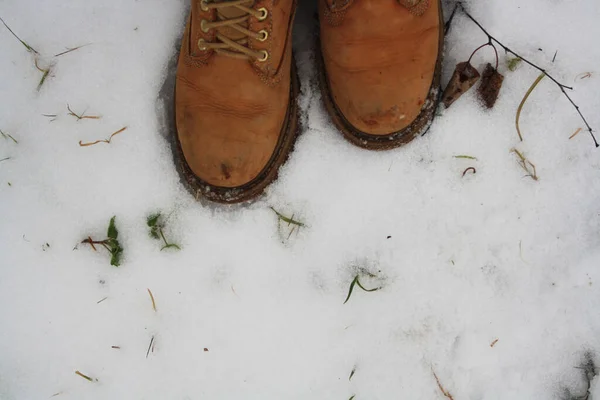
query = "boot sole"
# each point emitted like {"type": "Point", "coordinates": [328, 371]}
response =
{"type": "Point", "coordinates": [249, 191]}
{"type": "Point", "coordinates": [418, 127]}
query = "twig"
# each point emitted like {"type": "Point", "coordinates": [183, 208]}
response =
{"type": "Point", "coordinates": [152, 298]}
{"type": "Point", "coordinates": [100, 301]}
{"type": "Point", "coordinates": [103, 140]}
{"type": "Point", "coordinates": [4, 159]}
{"type": "Point", "coordinates": [115, 347]}
{"type": "Point", "coordinates": [518, 116]}
{"type": "Point", "coordinates": [494, 343]}
{"type": "Point", "coordinates": [563, 88]}
{"type": "Point", "coordinates": [444, 391]}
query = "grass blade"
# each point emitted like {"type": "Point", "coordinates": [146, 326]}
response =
{"type": "Point", "coordinates": [518, 117]}
{"type": "Point", "coordinates": [28, 47]}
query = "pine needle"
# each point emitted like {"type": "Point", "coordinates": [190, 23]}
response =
{"type": "Point", "coordinates": [531, 88]}
{"type": "Point", "coordinates": [84, 376]}
{"type": "Point", "coordinates": [103, 140]}
{"type": "Point", "coordinates": [152, 298]}
{"type": "Point", "coordinates": [444, 391]}
{"type": "Point", "coordinates": [8, 136]}
{"type": "Point", "coordinates": [575, 134]}
{"type": "Point", "coordinates": [69, 50]}
{"type": "Point", "coordinates": [466, 157]}
{"type": "Point", "coordinates": [150, 346]}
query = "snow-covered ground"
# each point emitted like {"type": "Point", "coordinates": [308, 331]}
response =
{"type": "Point", "coordinates": [489, 280]}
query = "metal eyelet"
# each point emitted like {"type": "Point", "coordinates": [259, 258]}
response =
{"type": "Point", "coordinates": [264, 35]}
{"type": "Point", "coordinates": [204, 6]}
{"type": "Point", "coordinates": [265, 14]}
{"type": "Point", "coordinates": [265, 56]}
{"type": "Point", "coordinates": [203, 26]}
{"type": "Point", "coordinates": [202, 45]}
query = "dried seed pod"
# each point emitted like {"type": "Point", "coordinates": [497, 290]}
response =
{"type": "Point", "coordinates": [491, 83]}
{"type": "Point", "coordinates": [463, 79]}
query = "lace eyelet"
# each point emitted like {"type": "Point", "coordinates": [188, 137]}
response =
{"type": "Point", "coordinates": [265, 14]}
{"type": "Point", "coordinates": [203, 6]}
{"type": "Point", "coordinates": [265, 56]}
{"type": "Point", "coordinates": [202, 45]}
{"type": "Point", "coordinates": [264, 35]}
{"type": "Point", "coordinates": [203, 26]}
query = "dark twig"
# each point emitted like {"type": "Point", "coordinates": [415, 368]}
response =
{"type": "Point", "coordinates": [563, 88]}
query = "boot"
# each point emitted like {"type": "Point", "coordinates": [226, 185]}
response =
{"type": "Point", "coordinates": [380, 66]}
{"type": "Point", "coordinates": [235, 97]}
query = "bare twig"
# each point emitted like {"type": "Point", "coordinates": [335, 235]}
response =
{"type": "Point", "coordinates": [563, 88]}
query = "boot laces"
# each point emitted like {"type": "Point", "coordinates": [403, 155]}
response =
{"type": "Point", "coordinates": [238, 47]}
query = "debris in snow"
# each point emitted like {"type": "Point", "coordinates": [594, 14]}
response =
{"type": "Point", "coordinates": [111, 243]}
{"type": "Point", "coordinates": [152, 298]}
{"type": "Point", "coordinates": [103, 140]}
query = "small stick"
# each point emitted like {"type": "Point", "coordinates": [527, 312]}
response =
{"type": "Point", "coordinates": [115, 347]}
{"type": "Point", "coordinates": [152, 298]}
{"type": "Point", "coordinates": [102, 300]}
{"type": "Point", "coordinates": [494, 343]}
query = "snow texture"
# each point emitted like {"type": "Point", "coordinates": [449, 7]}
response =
{"type": "Point", "coordinates": [243, 311]}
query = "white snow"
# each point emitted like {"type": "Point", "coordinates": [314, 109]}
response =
{"type": "Point", "coordinates": [470, 260]}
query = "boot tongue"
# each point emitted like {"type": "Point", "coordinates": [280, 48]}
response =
{"type": "Point", "coordinates": [231, 13]}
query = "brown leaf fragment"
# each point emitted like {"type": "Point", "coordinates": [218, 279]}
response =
{"type": "Point", "coordinates": [463, 79]}
{"type": "Point", "coordinates": [491, 83]}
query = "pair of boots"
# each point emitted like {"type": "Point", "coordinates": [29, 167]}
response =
{"type": "Point", "coordinates": [236, 86]}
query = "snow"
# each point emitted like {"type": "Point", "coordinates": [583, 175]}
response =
{"type": "Point", "coordinates": [469, 260]}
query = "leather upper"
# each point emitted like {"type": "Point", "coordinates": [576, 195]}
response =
{"type": "Point", "coordinates": [229, 111]}
{"type": "Point", "coordinates": [380, 60]}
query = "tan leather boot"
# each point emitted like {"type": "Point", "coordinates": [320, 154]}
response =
{"type": "Point", "coordinates": [235, 96]}
{"type": "Point", "coordinates": [380, 68]}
